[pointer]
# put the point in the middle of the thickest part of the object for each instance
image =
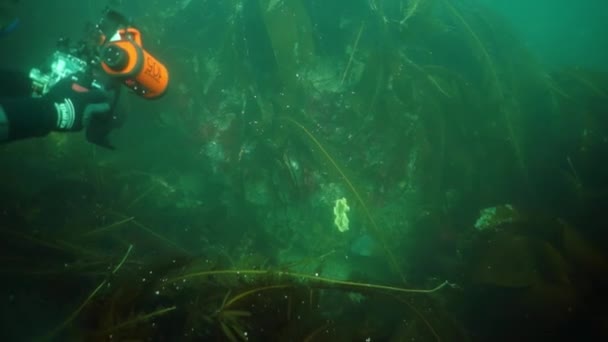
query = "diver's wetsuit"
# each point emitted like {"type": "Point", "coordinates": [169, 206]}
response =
{"type": "Point", "coordinates": [68, 107]}
{"type": "Point", "coordinates": [21, 116]}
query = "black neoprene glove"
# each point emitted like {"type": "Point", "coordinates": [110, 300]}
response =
{"type": "Point", "coordinates": [67, 107]}
{"type": "Point", "coordinates": [75, 105]}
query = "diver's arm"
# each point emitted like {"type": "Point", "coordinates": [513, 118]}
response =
{"type": "Point", "coordinates": [26, 117]}
{"type": "Point", "coordinates": [67, 107]}
{"type": "Point", "coordinates": [22, 116]}
{"type": "Point", "coordinates": [17, 108]}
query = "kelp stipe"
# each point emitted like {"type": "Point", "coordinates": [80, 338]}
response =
{"type": "Point", "coordinates": [377, 231]}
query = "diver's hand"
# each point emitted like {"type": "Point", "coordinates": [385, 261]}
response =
{"type": "Point", "coordinates": [75, 106]}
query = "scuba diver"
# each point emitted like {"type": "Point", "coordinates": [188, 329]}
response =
{"type": "Point", "coordinates": [109, 57]}
{"type": "Point", "coordinates": [67, 107]}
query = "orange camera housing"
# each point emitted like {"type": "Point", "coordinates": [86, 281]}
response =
{"type": "Point", "coordinates": [124, 57]}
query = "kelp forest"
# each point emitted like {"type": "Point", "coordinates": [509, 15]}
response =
{"type": "Point", "coordinates": [374, 170]}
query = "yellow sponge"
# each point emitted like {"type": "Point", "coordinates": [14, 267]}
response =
{"type": "Point", "coordinates": [341, 209]}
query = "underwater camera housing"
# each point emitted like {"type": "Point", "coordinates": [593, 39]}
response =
{"type": "Point", "coordinates": [63, 65]}
{"type": "Point", "coordinates": [80, 60]}
{"type": "Point", "coordinates": [109, 56]}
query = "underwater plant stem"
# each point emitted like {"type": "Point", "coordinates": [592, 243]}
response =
{"type": "Point", "coordinates": [124, 258]}
{"type": "Point", "coordinates": [110, 226]}
{"type": "Point", "coordinates": [350, 185]}
{"type": "Point", "coordinates": [421, 316]}
{"type": "Point", "coordinates": [308, 260]}
{"type": "Point", "coordinates": [498, 87]}
{"type": "Point", "coordinates": [142, 195]}
{"type": "Point", "coordinates": [589, 84]}
{"type": "Point", "coordinates": [315, 332]}
{"type": "Point", "coordinates": [369, 286]}
{"type": "Point", "coordinates": [76, 312]}
{"type": "Point", "coordinates": [160, 237]}
{"type": "Point", "coordinates": [256, 290]}
{"type": "Point", "coordinates": [151, 232]}
{"type": "Point", "coordinates": [352, 54]}
{"type": "Point", "coordinates": [87, 300]}
{"type": "Point", "coordinates": [573, 170]}
{"type": "Point", "coordinates": [32, 239]}
{"type": "Point", "coordinates": [296, 276]}
{"type": "Point", "coordinates": [410, 11]}
{"type": "Point", "coordinates": [141, 318]}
